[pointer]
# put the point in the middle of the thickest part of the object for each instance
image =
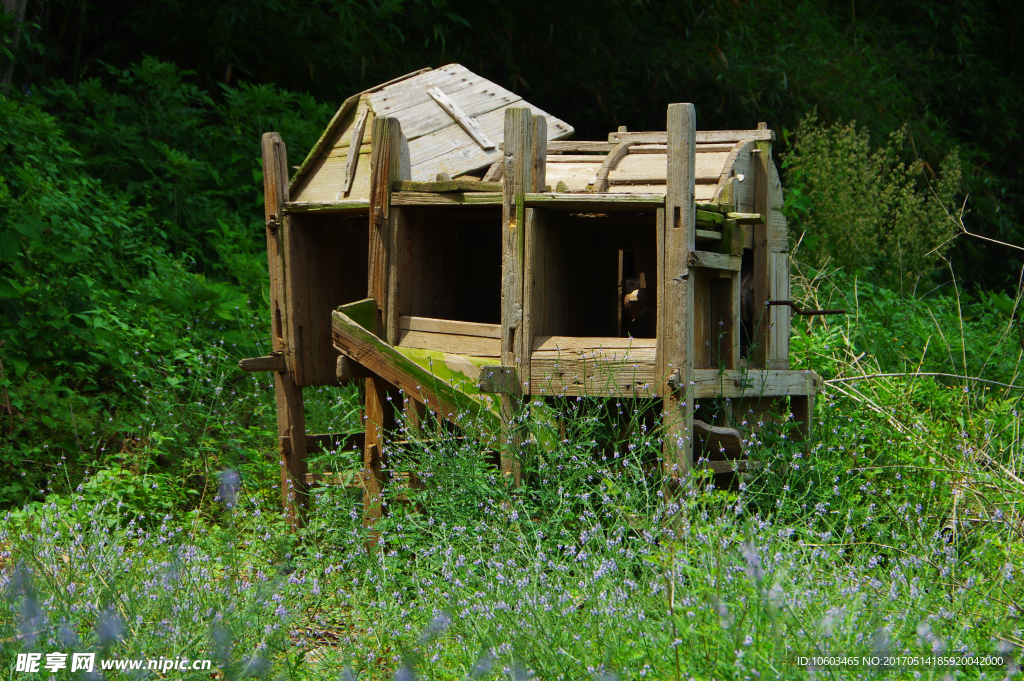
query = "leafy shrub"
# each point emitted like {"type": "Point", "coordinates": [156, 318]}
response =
{"type": "Point", "coordinates": [861, 208]}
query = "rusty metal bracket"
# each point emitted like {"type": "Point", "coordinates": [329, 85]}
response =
{"type": "Point", "coordinates": [808, 313]}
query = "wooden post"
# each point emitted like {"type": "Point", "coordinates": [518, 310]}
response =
{"type": "Point", "coordinates": [525, 154]}
{"type": "Point", "coordinates": [378, 417]}
{"type": "Point", "coordinates": [291, 422]}
{"type": "Point", "coordinates": [675, 341]}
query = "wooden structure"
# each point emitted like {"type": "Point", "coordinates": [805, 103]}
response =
{"type": "Point", "coordinates": [442, 239]}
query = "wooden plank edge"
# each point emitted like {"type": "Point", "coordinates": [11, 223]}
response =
{"type": "Point", "coordinates": [272, 362]}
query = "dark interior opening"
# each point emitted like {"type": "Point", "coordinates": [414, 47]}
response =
{"type": "Point", "coordinates": [449, 264]}
{"type": "Point", "coordinates": [584, 266]}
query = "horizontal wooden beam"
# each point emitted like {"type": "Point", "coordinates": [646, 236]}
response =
{"type": "Point", "coordinates": [754, 383]}
{"type": "Point", "coordinates": [342, 207]}
{"type": "Point", "coordinates": [746, 218]}
{"type": "Point", "coordinates": [326, 442]}
{"type": "Point", "coordinates": [447, 186]}
{"type": "Point", "coordinates": [714, 261]}
{"type": "Point", "coordinates": [703, 136]}
{"type": "Point", "coordinates": [432, 325]}
{"type": "Point", "coordinates": [604, 202]}
{"type": "Point", "coordinates": [447, 199]}
{"type": "Point", "coordinates": [272, 362]}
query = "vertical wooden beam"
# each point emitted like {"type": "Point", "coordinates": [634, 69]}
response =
{"type": "Point", "coordinates": [291, 422]}
{"type": "Point", "coordinates": [385, 168]}
{"type": "Point", "coordinates": [525, 154]}
{"type": "Point", "coordinates": [677, 232]}
{"type": "Point", "coordinates": [763, 264]}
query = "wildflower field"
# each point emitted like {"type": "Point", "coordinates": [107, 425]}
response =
{"type": "Point", "coordinates": [900, 533]}
{"type": "Point", "coordinates": [140, 507]}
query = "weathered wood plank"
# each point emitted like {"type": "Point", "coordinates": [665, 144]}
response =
{"type": "Point", "coordinates": [593, 371]}
{"type": "Point", "coordinates": [754, 383]}
{"type": "Point", "coordinates": [449, 186]}
{"type": "Point", "coordinates": [392, 366]}
{"type": "Point", "coordinates": [290, 415]}
{"type": "Point", "coordinates": [465, 122]}
{"type": "Point", "coordinates": [272, 362]}
{"type": "Point", "coordinates": [583, 345]}
{"type": "Point", "coordinates": [456, 344]}
{"type": "Point", "coordinates": [715, 261]}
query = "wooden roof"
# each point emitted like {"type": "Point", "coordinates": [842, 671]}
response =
{"type": "Point", "coordinates": [437, 142]}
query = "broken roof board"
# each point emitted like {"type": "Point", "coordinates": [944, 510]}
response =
{"type": "Point", "coordinates": [436, 142]}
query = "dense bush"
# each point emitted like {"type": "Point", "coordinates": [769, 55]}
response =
{"type": "Point", "coordinates": [858, 207]}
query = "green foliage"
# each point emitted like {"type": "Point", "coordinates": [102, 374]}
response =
{"type": "Point", "coordinates": [861, 208]}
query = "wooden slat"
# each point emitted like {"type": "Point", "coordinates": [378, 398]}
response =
{"type": "Point", "coordinates": [431, 325]}
{"type": "Point", "coordinates": [290, 416]}
{"type": "Point", "coordinates": [348, 369]}
{"type": "Point", "coordinates": [702, 137]}
{"type": "Point", "coordinates": [578, 146]}
{"type": "Point", "coordinates": [448, 199]}
{"type": "Point", "coordinates": [465, 122]}
{"type": "Point", "coordinates": [448, 186]}
{"type": "Point", "coordinates": [579, 345]}
{"type": "Point", "coordinates": [322, 147]}
{"type": "Point", "coordinates": [716, 261]}
{"type": "Point", "coordinates": [353, 154]}
{"type": "Point", "coordinates": [652, 168]}
{"type": "Point", "coordinates": [456, 344]}
{"type": "Point", "coordinates": [675, 290]}
{"type": "Point", "coordinates": [754, 383]}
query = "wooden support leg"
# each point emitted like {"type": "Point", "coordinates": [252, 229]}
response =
{"type": "Point", "coordinates": [291, 422]}
{"type": "Point", "coordinates": [802, 407]}
{"type": "Point", "coordinates": [378, 419]}
{"type": "Point", "coordinates": [525, 151]}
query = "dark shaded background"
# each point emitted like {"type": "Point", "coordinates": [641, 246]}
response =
{"type": "Point", "coordinates": [950, 71]}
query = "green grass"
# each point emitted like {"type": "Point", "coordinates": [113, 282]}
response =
{"type": "Point", "coordinates": [900, 532]}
